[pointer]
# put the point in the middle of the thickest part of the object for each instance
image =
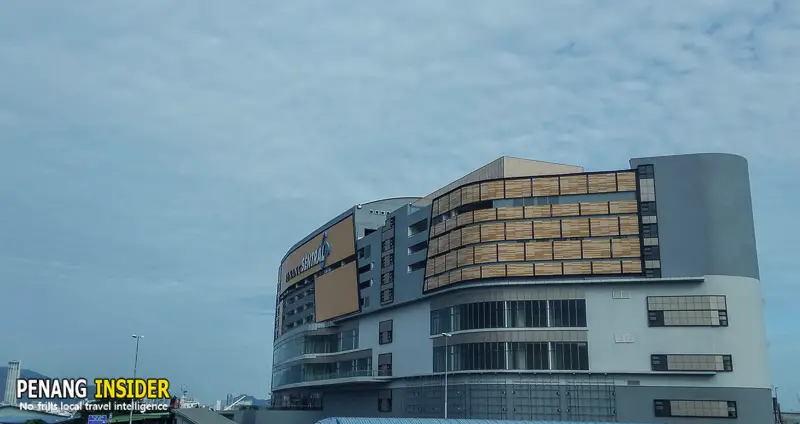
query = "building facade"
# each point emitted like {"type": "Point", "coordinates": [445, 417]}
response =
{"type": "Point", "coordinates": [12, 376]}
{"type": "Point", "coordinates": [528, 290]}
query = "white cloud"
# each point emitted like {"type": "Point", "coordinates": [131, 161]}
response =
{"type": "Point", "coordinates": [153, 142]}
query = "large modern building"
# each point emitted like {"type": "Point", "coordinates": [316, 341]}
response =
{"type": "Point", "coordinates": [12, 375]}
{"type": "Point", "coordinates": [530, 290]}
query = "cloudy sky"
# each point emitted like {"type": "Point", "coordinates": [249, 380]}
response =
{"type": "Point", "coordinates": [158, 158]}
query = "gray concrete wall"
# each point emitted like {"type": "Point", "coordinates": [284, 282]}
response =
{"type": "Point", "coordinates": [705, 215]}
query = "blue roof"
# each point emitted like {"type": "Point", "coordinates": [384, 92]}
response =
{"type": "Point", "coordinates": [348, 420]}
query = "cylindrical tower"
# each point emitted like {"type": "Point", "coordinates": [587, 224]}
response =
{"type": "Point", "coordinates": [11, 383]}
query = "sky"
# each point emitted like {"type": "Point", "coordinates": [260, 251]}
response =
{"type": "Point", "coordinates": [158, 158]}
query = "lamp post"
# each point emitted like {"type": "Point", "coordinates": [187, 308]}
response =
{"type": "Point", "coordinates": [446, 369]}
{"type": "Point", "coordinates": [135, 364]}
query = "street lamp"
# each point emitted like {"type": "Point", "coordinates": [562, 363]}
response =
{"type": "Point", "coordinates": [446, 368]}
{"type": "Point", "coordinates": [135, 364]}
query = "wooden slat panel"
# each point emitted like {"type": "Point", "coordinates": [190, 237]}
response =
{"type": "Point", "coordinates": [470, 194]}
{"type": "Point", "coordinates": [433, 247]}
{"type": "Point", "coordinates": [573, 184]}
{"type": "Point", "coordinates": [567, 209]}
{"type": "Point", "coordinates": [465, 256]}
{"type": "Point", "coordinates": [435, 208]}
{"type": "Point", "coordinates": [470, 235]}
{"type": "Point", "coordinates": [594, 208]}
{"type": "Point", "coordinates": [444, 279]}
{"type": "Point", "coordinates": [519, 230]}
{"type": "Point", "coordinates": [626, 181]}
{"type": "Point", "coordinates": [427, 285]}
{"type": "Point", "coordinates": [495, 231]}
{"type": "Point", "coordinates": [510, 212]}
{"type": "Point", "coordinates": [510, 252]}
{"type": "Point", "coordinates": [464, 219]}
{"type": "Point", "coordinates": [491, 190]}
{"type": "Point", "coordinates": [570, 249]}
{"type": "Point", "coordinates": [542, 211]}
{"type": "Point", "coordinates": [604, 226]}
{"type": "Point", "coordinates": [438, 229]}
{"type": "Point", "coordinates": [438, 265]}
{"type": "Point", "coordinates": [429, 269]}
{"type": "Point", "coordinates": [547, 229]}
{"type": "Point", "coordinates": [493, 271]}
{"type": "Point", "coordinates": [576, 227]}
{"type": "Point", "coordinates": [444, 204]}
{"type": "Point", "coordinates": [451, 261]}
{"type": "Point", "coordinates": [539, 251]}
{"type": "Point", "coordinates": [606, 267]}
{"type": "Point", "coordinates": [602, 183]}
{"type": "Point", "coordinates": [485, 253]}
{"type": "Point", "coordinates": [623, 206]}
{"type": "Point", "coordinates": [484, 215]}
{"type": "Point", "coordinates": [577, 268]}
{"type": "Point", "coordinates": [432, 283]}
{"type": "Point", "coordinates": [631, 267]}
{"type": "Point", "coordinates": [455, 198]}
{"type": "Point", "coordinates": [455, 276]}
{"type": "Point", "coordinates": [517, 188]}
{"type": "Point", "coordinates": [449, 224]}
{"type": "Point", "coordinates": [545, 186]}
{"type": "Point", "coordinates": [626, 248]}
{"type": "Point", "coordinates": [472, 273]}
{"type": "Point", "coordinates": [455, 239]}
{"type": "Point", "coordinates": [597, 248]}
{"type": "Point", "coordinates": [519, 270]}
{"type": "Point", "coordinates": [629, 225]}
{"type": "Point", "coordinates": [548, 268]}
{"type": "Point", "coordinates": [444, 243]}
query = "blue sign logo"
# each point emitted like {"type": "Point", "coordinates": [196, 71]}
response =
{"type": "Point", "coordinates": [325, 250]}
{"type": "Point", "coordinates": [98, 419]}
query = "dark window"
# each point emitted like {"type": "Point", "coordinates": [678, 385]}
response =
{"type": "Point", "coordinates": [387, 296]}
{"type": "Point", "coordinates": [651, 253]}
{"type": "Point", "coordinates": [365, 284]}
{"type": "Point", "coordinates": [385, 401]}
{"type": "Point", "coordinates": [648, 208]}
{"type": "Point", "coordinates": [570, 356]}
{"type": "Point", "coordinates": [417, 227]}
{"type": "Point", "coordinates": [385, 364]}
{"type": "Point", "coordinates": [387, 245]}
{"type": "Point", "coordinates": [646, 171]}
{"type": "Point", "coordinates": [387, 278]}
{"type": "Point", "coordinates": [365, 301]}
{"type": "Point", "coordinates": [653, 273]}
{"type": "Point", "coordinates": [387, 261]}
{"type": "Point", "coordinates": [650, 230]}
{"type": "Point", "coordinates": [365, 268]}
{"type": "Point", "coordinates": [416, 266]}
{"type": "Point", "coordinates": [695, 408]}
{"type": "Point", "coordinates": [419, 247]}
{"type": "Point", "coordinates": [488, 356]}
{"type": "Point", "coordinates": [568, 313]}
{"type": "Point", "coordinates": [385, 329]}
{"type": "Point", "coordinates": [368, 231]}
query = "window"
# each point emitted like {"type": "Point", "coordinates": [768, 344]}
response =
{"type": "Point", "coordinates": [365, 251]}
{"type": "Point", "coordinates": [387, 261]}
{"type": "Point", "coordinates": [418, 227]}
{"type": "Point", "coordinates": [687, 311]}
{"type": "Point", "coordinates": [510, 314]}
{"type": "Point", "coordinates": [387, 296]}
{"type": "Point", "coordinates": [419, 247]}
{"type": "Point", "coordinates": [364, 302]}
{"type": "Point", "coordinates": [570, 356]}
{"type": "Point", "coordinates": [368, 231]}
{"type": "Point", "coordinates": [385, 401]}
{"type": "Point", "coordinates": [387, 278]}
{"type": "Point", "coordinates": [646, 171]}
{"type": "Point", "coordinates": [365, 268]}
{"type": "Point", "coordinates": [694, 408]}
{"type": "Point", "coordinates": [385, 329]}
{"type": "Point", "coordinates": [387, 245]}
{"type": "Point", "coordinates": [685, 362]}
{"type": "Point", "coordinates": [648, 208]}
{"type": "Point", "coordinates": [650, 230]}
{"type": "Point", "coordinates": [365, 284]}
{"type": "Point", "coordinates": [385, 364]}
{"type": "Point", "coordinates": [416, 266]}
{"type": "Point", "coordinates": [567, 313]}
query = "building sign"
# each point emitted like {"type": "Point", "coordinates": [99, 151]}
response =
{"type": "Point", "coordinates": [312, 259]}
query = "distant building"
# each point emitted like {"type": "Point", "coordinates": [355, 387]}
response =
{"type": "Point", "coordinates": [11, 383]}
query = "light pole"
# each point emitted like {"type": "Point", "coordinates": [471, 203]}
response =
{"type": "Point", "coordinates": [135, 364]}
{"type": "Point", "coordinates": [446, 368]}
